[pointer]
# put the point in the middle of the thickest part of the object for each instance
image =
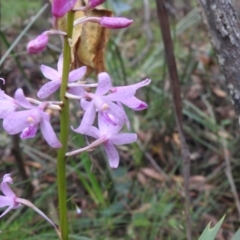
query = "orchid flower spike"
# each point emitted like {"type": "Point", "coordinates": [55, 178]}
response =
{"type": "Point", "coordinates": [11, 201]}
{"type": "Point", "coordinates": [56, 78]}
{"type": "Point", "coordinates": [27, 121]}
{"type": "Point", "coordinates": [107, 135]}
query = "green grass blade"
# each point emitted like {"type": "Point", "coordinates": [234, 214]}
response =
{"type": "Point", "coordinates": [236, 235]}
{"type": "Point", "coordinates": [210, 233]}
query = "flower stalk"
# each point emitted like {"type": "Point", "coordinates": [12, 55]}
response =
{"type": "Point", "coordinates": [64, 129]}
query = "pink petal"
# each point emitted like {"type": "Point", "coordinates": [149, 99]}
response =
{"type": "Point", "coordinates": [5, 201]}
{"type": "Point", "coordinates": [120, 95]}
{"type": "Point", "coordinates": [7, 210]}
{"type": "Point", "coordinates": [93, 132]}
{"type": "Point", "coordinates": [106, 126]}
{"type": "Point", "coordinates": [123, 138]}
{"type": "Point", "coordinates": [6, 190]}
{"type": "Point", "coordinates": [124, 92]}
{"type": "Point", "coordinates": [49, 134]}
{"type": "Point", "coordinates": [78, 91]}
{"type": "Point", "coordinates": [15, 122]}
{"type": "Point", "coordinates": [127, 121]}
{"type": "Point", "coordinates": [112, 154]}
{"type": "Point", "coordinates": [4, 96]}
{"type": "Point", "coordinates": [104, 84]}
{"type": "Point", "coordinates": [21, 99]}
{"type": "Point", "coordinates": [87, 121]}
{"type": "Point", "coordinates": [77, 74]}
{"type": "Point", "coordinates": [85, 104]}
{"type": "Point", "coordinates": [7, 107]}
{"type": "Point", "coordinates": [135, 103]}
{"type": "Point", "coordinates": [48, 88]}
{"type": "Point", "coordinates": [50, 73]}
{"type": "Point", "coordinates": [29, 132]}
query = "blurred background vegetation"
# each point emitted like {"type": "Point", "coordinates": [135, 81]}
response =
{"type": "Point", "coordinates": [144, 197]}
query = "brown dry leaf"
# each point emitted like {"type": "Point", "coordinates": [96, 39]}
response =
{"type": "Point", "coordinates": [33, 164]}
{"type": "Point", "coordinates": [141, 178]}
{"type": "Point", "coordinates": [143, 208]}
{"type": "Point", "coordinates": [178, 179]}
{"type": "Point", "coordinates": [89, 39]}
{"type": "Point", "coordinates": [224, 134]}
{"type": "Point", "coordinates": [197, 179]}
{"type": "Point", "coordinates": [176, 139]}
{"type": "Point", "coordinates": [149, 172]}
{"type": "Point", "coordinates": [219, 92]}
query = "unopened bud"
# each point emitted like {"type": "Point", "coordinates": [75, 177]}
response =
{"type": "Point", "coordinates": [61, 7]}
{"type": "Point", "coordinates": [38, 44]}
{"type": "Point", "coordinates": [115, 22]}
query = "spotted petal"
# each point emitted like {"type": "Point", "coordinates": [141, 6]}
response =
{"type": "Point", "coordinates": [77, 74]}
{"type": "Point", "coordinates": [123, 138]}
{"type": "Point", "coordinates": [88, 119]}
{"type": "Point", "coordinates": [112, 154]}
{"type": "Point", "coordinates": [104, 84]}
{"type": "Point", "coordinates": [15, 122]}
{"type": "Point", "coordinates": [21, 99]}
{"type": "Point", "coordinates": [48, 134]}
{"type": "Point", "coordinates": [50, 73]}
{"type": "Point", "coordinates": [135, 103]}
{"type": "Point", "coordinates": [48, 88]}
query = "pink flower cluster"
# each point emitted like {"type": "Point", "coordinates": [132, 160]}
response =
{"type": "Point", "coordinates": [107, 102]}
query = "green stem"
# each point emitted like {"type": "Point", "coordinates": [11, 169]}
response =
{"type": "Point", "coordinates": [64, 129]}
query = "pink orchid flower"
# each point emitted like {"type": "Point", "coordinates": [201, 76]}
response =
{"type": "Point", "coordinates": [11, 201]}
{"type": "Point", "coordinates": [131, 102]}
{"type": "Point", "coordinates": [107, 135]}
{"type": "Point", "coordinates": [104, 104]}
{"type": "Point", "coordinates": [56, 78]}
{"type": "Point", "coordinates": [27, 121]}
{"type": "Point", "coordinates": [97, 102]}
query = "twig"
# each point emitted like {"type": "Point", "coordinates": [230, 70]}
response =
{"type": "Point", "coordinates": [228, 172]}
{"type": "Point", "coordinates": [177, 104]}
{"type": "Point", "coordinates": [17, 152]}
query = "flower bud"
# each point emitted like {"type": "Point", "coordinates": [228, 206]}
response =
{"type": "Point", "coordinates": [115, 22]}
{"type": "Point", "coordinates": [38, 44]}
{"type": "Point", "coordinates": [61, 7]}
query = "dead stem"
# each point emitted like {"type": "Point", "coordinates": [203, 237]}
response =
{"type": "Point", "coordinates": [177, 104]}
